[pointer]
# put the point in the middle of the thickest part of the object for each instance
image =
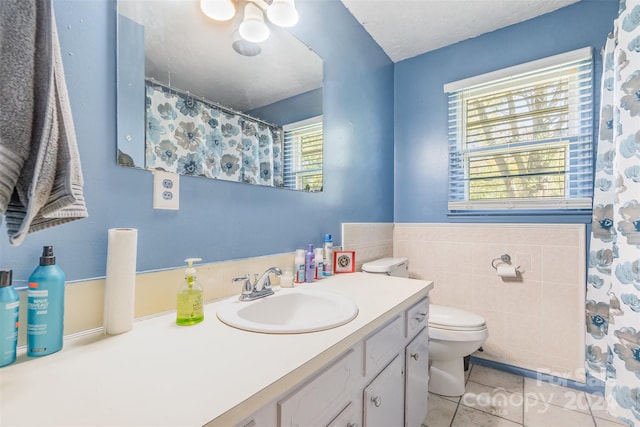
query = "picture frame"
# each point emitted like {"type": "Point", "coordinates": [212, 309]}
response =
{"type": "Point", "coordinates": [344, 261]}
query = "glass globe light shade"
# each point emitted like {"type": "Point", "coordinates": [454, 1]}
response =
{"type": "Point", "coordinates": [220, 10]}
{"type": "Point", "coordinates": [283, 13]}
{"type": "Point", "coordinates": [253, 28]}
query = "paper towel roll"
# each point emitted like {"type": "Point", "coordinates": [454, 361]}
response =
{"type": "Point", "coordinates": [507, 271]}
{"type": "Point", "coordinates": [120, 283]}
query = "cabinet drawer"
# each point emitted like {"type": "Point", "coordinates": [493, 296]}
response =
{"type": "Point", "coordinates": [347, 418]}
{"type": "Point", "coordinates": [263, 417]}
{"type": "Point", "coordinates": [417, 317]}
{"type": "Point", "coordinates": [321, 399]}
{"type": "Point", "coordinates": [382, 346]}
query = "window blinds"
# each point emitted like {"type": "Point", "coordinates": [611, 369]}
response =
{"type": "Point", "coordinates": [522, 138]}
{"type": "Point", "coordinates": [303, 155]}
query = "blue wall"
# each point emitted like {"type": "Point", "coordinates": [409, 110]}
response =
{"type": "Point", "coordinates": [364, 94]}
{"type": "Point", "coordinates": [291, 110]}
{"type": "Point", "coordinates": [219, 220]}
{"type": "Point", "coordinates": [421, 104]}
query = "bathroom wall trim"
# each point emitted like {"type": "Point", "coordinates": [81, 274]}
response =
{"type": "Point", "coordinates": [593, 385]}
{"type": "Point", "coordinates": [541, 217]}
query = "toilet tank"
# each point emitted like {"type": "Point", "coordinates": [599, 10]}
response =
{"type": "Point", "coordinates": [390, 266]}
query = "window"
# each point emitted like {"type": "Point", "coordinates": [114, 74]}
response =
{"type": "Point", "coordinates": [521, 138]}
{"type": "Point", "coordinates": [303, 143]}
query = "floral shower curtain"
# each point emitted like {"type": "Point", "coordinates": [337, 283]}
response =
{"type": "Point", "coordinates": [191, 137]}
{"type": "Point", "coordinates": [613, 285]}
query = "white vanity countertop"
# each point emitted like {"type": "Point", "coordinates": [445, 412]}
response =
{"type": "Point", "coordinates": [161, 374]}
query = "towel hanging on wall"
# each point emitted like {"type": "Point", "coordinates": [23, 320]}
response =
{"type": "Point", "coordinates": [48, 190]}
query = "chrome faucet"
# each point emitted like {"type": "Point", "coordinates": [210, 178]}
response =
{"type": "Point", "coordinates": [264, 282]}
{"type": "Point", "coordinates": [261, 287]}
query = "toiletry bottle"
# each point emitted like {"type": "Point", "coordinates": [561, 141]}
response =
{"type": "Point", "coordinates": [45, 306]}
{"type": "Point", "coordinates": [298, 266]}
{"type": "Point", "coordinates": [9, 304]}
{"type": "Point", "coordinates": [319, 253]}
{"type": "Point", "coordinates": [189, 308]}
{"type": "Point", "coordinates": [309, 265]}
{"type": "Point", "coordinates": [328, 255]}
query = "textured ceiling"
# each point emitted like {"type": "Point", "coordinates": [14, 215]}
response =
{"type": "Point", "coordinates": [407, 28]}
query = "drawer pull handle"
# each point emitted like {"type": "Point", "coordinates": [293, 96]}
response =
{"type": "Point", "coordinates": [420, 317]}
{"type": "Point", "coordinates": [352, 425]}
{"type": "Point", "coordinates": [377, 401]}
{"type": "Point", "coordinates": [415, 356]}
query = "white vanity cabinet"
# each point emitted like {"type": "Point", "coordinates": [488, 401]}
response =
{"type": "Point", "coordinates": [380, 381]}
{"type": "Point", "coordinates": [349, 417]}
{"type": "Point", "coordinates": [416, 379]}
{"type": "Point", "coordinates": [384, 397]}
{"type": "Point", "coordinates": [325, 397]}
{"type": "Point", "coordinates": [265, 417]}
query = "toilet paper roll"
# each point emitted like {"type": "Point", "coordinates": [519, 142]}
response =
{"type": "Point", "coordinates": [120, 282]}
{"type": "Point", "coordinates": [507, 271]}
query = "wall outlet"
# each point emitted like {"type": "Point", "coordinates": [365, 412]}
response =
{"type": "Point", "coordinates": [166, 190]}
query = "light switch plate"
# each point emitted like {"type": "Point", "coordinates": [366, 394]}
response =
{"type": "Point", "coordinates": [166, 190]}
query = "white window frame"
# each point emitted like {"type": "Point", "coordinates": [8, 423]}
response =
{"type": "Point", "coordinates": [460, 152]}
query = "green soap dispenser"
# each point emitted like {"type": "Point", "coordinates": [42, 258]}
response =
{"type": "Point", "coordinates": [189, 308]}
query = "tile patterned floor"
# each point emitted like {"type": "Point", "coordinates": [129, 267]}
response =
{"type": "Point", "coordinates": [499, 399]}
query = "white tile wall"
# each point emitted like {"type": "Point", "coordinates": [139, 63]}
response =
{"type": "Point", "coordinates": [536, 322]}
{"type": "Point", "coordinates": [371, 241]}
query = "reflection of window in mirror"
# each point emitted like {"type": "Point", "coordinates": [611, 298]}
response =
{"type": "Point", "coordinates": [303, 142]}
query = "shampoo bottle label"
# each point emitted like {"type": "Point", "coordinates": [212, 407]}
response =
{"type": "Point", "coordinates": [9, 338]}
{"type": "Point", "coordinates": [38, 304]}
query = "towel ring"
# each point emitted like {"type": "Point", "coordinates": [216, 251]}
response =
{"type": "Point", "coordinates": [503, 258]}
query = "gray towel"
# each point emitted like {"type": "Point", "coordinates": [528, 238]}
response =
{"type": "Point", "coordinates": [17, 36]}
{"type": "Point", "coordinates": [48, 191]}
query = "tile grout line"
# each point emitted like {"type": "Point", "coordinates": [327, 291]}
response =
{"type": "Point", "coordinates": [593, 417]}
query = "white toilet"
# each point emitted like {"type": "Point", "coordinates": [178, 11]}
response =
{"type": "Point", "coordinates": [453, 334]}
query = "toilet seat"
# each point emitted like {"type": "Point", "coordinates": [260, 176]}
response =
{"type": "Point", "coordinates": [454, 319]}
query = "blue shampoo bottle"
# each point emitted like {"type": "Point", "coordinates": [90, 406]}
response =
{"type": "Point", "coordinates": [9, 305]}
{"type": "Point", "coordinates": [45, 313]}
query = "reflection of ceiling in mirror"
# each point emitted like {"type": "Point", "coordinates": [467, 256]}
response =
{"type": "Point", "coordinates": [187, 50]}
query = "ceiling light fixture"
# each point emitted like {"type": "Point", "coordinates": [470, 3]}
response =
{"type": "Point", "coordinates": [220, 10]}
{"type": "Point", "coordinates": [282, 13]}
{"type": "Point", "coordinates": [253, 28]}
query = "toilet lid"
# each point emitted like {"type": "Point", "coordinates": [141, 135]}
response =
{"type": "Point", "coordinates": [384, 265]}
{"type": "Point", "coordinates": [450, 317]}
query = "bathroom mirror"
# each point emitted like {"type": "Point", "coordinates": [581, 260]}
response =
{"type": "Point", "coordinates": [196, 68]}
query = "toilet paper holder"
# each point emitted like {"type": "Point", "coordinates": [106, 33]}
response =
{"type": "Point", "coordinates": [505, 258]}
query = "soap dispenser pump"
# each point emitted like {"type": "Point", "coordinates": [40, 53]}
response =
{"type": "Point", "coordinates": [189, 308]}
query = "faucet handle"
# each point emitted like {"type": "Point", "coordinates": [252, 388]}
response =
{"type": "Point", "coordinates": [247, 288]}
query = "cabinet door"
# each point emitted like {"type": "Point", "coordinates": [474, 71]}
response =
{"type": "Point", "coordinates": [417, 379]}
{"type": "Point", "coordinates": [384, 397]}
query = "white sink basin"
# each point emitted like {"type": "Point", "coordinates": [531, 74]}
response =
{"type": "Point", "coordinates": [289, 311]}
